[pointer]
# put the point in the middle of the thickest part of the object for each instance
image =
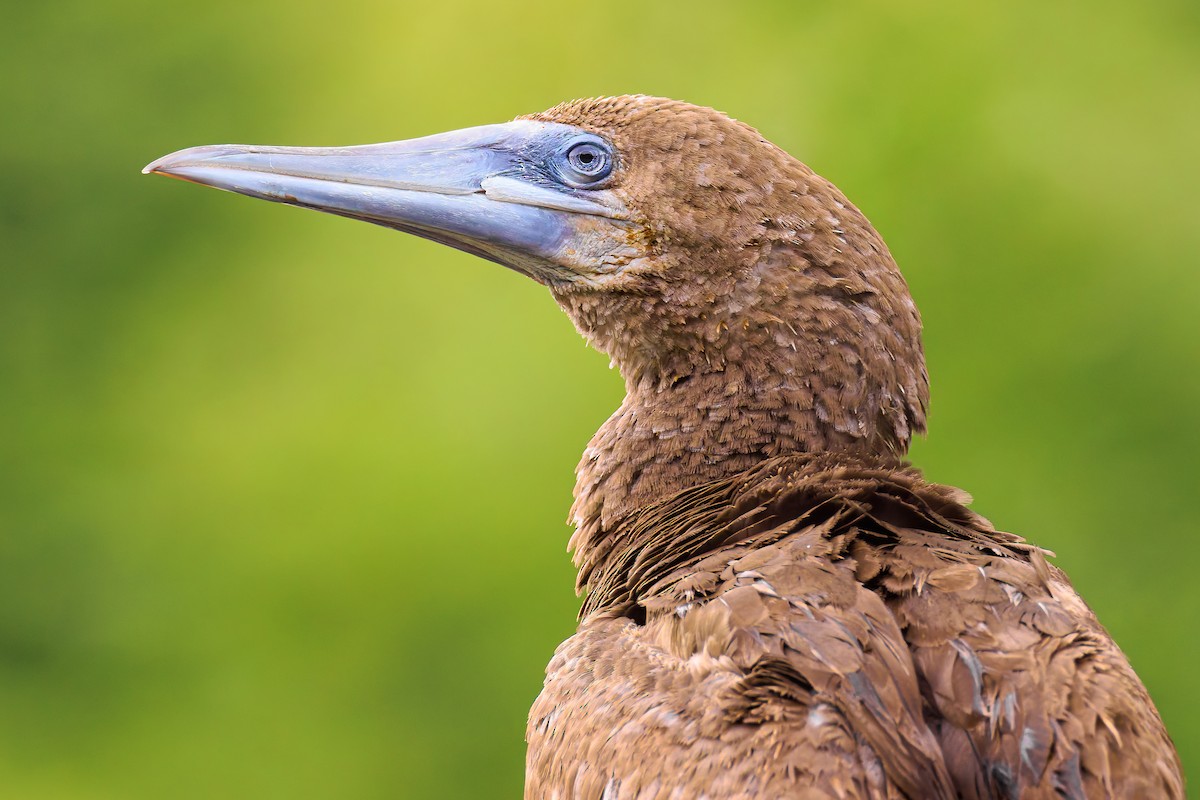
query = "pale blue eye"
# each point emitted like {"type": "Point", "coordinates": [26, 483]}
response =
{"type": "Point", "coordinates": [587, 161]}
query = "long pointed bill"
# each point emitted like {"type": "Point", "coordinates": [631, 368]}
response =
{"type": "Point", "coordinates": [489, 191]}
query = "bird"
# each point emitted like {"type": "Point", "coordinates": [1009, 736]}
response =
{"type": "Point", "coordinates": [776, 603]}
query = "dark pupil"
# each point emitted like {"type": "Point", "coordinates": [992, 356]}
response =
{"type": "Point", "coordinates": [587, 159]}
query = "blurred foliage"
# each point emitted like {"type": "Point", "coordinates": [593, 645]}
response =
{"type": "Point", "coordinates": [282, 495]}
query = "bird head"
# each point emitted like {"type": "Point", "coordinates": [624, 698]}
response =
{"type": "Point", "coordinates": [678, 240]}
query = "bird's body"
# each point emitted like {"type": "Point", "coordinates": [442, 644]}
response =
{"type": "Point", "coordinates": [827, 627]}
{"type": "Point", "coordinates": [777, 605]}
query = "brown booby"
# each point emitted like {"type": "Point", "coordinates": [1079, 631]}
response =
{"type": "Point", "coordinates": [776, 604]}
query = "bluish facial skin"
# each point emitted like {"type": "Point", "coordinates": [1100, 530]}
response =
{"type": "Point", "coordinates": [533, 196]}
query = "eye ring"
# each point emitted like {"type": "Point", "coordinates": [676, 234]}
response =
{"type": "Point", "coordinates": [587, 161]}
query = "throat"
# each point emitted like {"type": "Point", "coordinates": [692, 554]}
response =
{"type": "Point", "coordinates": [783, 355]}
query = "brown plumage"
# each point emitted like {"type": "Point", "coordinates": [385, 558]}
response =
{"type": "Point", "coordinates": [777, 606]}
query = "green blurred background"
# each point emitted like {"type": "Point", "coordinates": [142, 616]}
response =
{"type": "Point", "coordinates": [282, 495]}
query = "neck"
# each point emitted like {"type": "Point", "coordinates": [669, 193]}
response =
{"type": "Point", "coordinates": [798, 359]}
{"type": "Point", "coordinates": [668, 437]}
{"type": "Point", "coordinates": [664, 439]}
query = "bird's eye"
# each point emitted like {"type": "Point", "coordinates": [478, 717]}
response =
{"type": "Point", "coordinates": [588, 161]}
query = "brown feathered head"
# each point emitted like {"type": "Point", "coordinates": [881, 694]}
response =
{"type": "Point", "coordinates": [680, 242]}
